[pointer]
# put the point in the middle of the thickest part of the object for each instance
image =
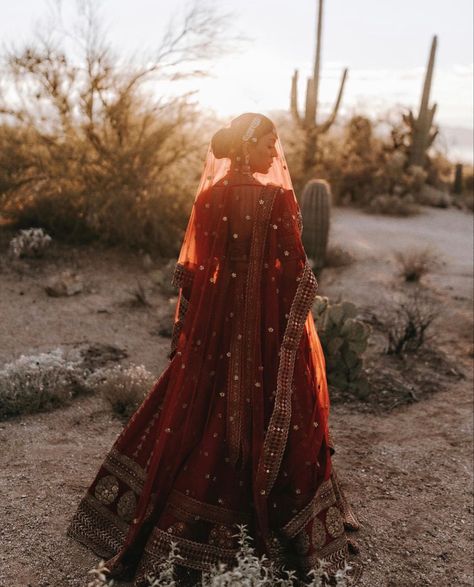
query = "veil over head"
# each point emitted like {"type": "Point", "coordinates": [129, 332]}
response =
{"type": "Point", "coordinates": [248, 127]}
{"type": "Point", "coordinates": [224, 148]}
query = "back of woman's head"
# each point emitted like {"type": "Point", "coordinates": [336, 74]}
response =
{"type": "Point", "coordinates": [228, 141]}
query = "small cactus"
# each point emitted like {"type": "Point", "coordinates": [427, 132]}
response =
{"type": "Point", "coordinates": [316, 211]}
{"type": "Point", "coordinates": [344, 339]}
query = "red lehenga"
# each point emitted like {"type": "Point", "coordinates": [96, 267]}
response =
{"type": "Point", "coordinates": [235, 430]}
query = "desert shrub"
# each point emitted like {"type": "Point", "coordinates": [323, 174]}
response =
{"type": "Point", "coordinates": [123, 388]}
{"type": "Point", "coordinates": [31, 242]}
{"type": "Point", "coordinates": [36, 383]}
{"type": "Point", "coordinates": [249, 570]}
{"type": "Point", "coordinates": [413, 264]}
{"type": "Point", "coordinates": [393, 205]}
{"type": "Point", "coordinates": [367, 164]}
{"type": "Point", "coordinates": [406, 328]}
{"type": "Point", "coordinates": [87, 153]}
{"type": "Point", "coordinates": [338, 256]}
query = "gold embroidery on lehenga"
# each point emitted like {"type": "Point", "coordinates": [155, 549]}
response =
{"type": "Point", "coordinates": [187, 508]}
{"type": "Point", "coordinates": [106, 489]}
{"type": "Point", "coordinates": [125, 469]}
{"type": "Point", "coordinates": [334, 522]}
{"type": "Point", "coordinates": [183, 276]}
{"type": "Point", "coordinates": [97, 527]}
{"type": "Point", "coordinates": [196, 555]}
{"type": "Point", "coordinates": [222, 536]}
{"type": "Point", "coordinates": [323, 498]}
{"type": "Point", "coordinates": [94, 523]}
{"type": "Point", "coordinates": [277, 432]}
{"type": "Point", "coordinates": [126, 506]}
{"type": "Point", "coordinates": [240, 379]}
{"type": "Point", "coordinates": [318, 533]}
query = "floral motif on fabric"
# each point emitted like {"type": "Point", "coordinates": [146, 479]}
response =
{"type": "Point", "coordinates": [221, 536]}
{"type": "Point", "coordinates": [107, 489]}
{"type": "Point", "coordinates": [334, 522]}
{"type": "Point", "coordinates": [318, 533]}
{"type": "Point", "coordinates": [127, 505]}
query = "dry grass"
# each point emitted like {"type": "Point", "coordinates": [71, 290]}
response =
{"type": "Point", "coordinates": [414, 263]}
{"type": "Point", "coordinates": [37, 383]}
{"type": "Point", "coordinates": [86, 151]}
{"type": "Point", "coordinates": [407, 331]}
{"type": "Point", "coordinates": [338, 256]}
{"type": "Point", "coordinates": [123, 388]}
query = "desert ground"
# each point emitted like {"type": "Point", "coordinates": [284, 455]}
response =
{"type": "Point", "coordinates": [404, 454]}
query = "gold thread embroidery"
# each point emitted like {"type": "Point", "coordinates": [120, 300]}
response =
{"type": "Point", "coordinates": [106, 489]}
{"type": "Point", "coordinates": [277, 432]}
{"type": "Point", "coordinates": [186, 508]}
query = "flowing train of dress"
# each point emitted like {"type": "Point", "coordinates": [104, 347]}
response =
{"type": "Point", "coordinates": [235, 430]}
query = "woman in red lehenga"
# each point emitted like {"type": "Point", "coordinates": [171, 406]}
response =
{"type": "Point", "coordinates": [235, 430]}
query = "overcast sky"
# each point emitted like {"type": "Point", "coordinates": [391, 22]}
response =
{"type": "Point", "coordinates": [384, 43]}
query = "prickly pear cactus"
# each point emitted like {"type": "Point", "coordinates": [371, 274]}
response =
{"type": "Point", "coordinates": [344, 339]}
{"type": "Point", "coordinates": [315, 207]}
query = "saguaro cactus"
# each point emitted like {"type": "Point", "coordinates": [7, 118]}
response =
{"type": "Point", "coordinates": [315, 203]}
{"type": "Point", "coordinates": [308, 122]}
{"type": "Point", "coordinates": [422, 130]}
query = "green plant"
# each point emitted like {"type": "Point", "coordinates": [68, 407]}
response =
{"type": "Point", "coordinates": [344, 339]}
{"type": "Point", "coordinates": [315, 205]}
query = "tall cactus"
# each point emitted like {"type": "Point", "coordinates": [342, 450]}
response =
{"type": "Point", "coordinates": [308, 122]}
{"type": "Point", "coordinates": [422, 130]}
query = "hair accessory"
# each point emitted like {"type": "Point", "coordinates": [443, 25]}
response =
{"type": "Point", "coordinates": [251, 128]}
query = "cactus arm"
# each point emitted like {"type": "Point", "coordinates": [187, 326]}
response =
{"type": "Point", "coordinates": [294, 97]}
{"type": "Point", "coordinates": [425, 97]}
{"type": "Point", "coordinates": [325, 126]}
{"type": "Point", "coordinates": [310, 104]}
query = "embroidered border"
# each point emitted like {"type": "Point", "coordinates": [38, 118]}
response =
{"type": "Point", "coordinates": [351, 521]}
{"type": "Point", "coordinates": [189, 509]}
{"type": "Point", "coordinates": [196, 555]}
{"type": "Point", "coordinates": [178, 325]}
{"type": "Point", "coordinates": [182, 276]}
{"type": "Point", "coordinates": [323, 498]}
{"type": "Point", "coordinates": [245, 341]}
{"type": "Point", "coordinates": [97, 527]}
{"type": "Point", "coordinates": [126, 469]}
{"type": "Point", "coordinates": [277, 433]}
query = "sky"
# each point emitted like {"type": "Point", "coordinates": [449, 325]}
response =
{"type": "Point", "coordinates": [384, 43]}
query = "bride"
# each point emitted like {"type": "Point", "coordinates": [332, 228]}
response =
{"type": "Point", "coordinates": [235, 429]}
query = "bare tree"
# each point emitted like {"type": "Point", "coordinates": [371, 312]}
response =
{"type": "Point", "coordinates": [101, 143]}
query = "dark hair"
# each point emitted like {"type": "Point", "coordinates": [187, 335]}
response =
{"type": "Point", "coordinates": [227, 142]}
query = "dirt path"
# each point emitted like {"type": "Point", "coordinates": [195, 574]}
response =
{"type": "Point", "coordinates": [408, 473]}
{"type": "Point", "coordinates": [409, 477]}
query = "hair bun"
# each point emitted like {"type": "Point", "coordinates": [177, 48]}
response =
{"type": "Point", "coordinates": [221, 143]}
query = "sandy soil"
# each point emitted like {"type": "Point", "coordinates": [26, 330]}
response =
{"type": "Point", "coordinates": [407, 468]}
